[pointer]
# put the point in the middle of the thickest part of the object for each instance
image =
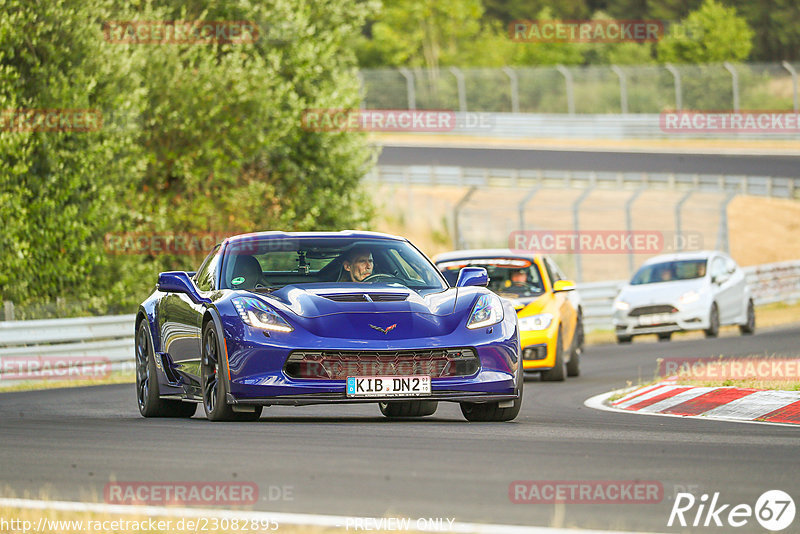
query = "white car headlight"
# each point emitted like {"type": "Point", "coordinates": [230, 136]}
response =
{"type": "Point", "coordinates": [488, 310]}
{"type": "Point", "coordinates": [258, 315]}
{"type": "Point", "coordinates": [621, 305]}
{"type": "Point", "coordinates": [535, 322]}
{"type": "Point", "coordinates": [689, 297]}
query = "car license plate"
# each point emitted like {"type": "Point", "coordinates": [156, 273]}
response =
{"type": "Point", "coordinates": [657, 318]}
{"type": "Point", "coordinates": [388, 386]}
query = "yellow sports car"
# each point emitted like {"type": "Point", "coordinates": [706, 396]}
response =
{"type": "Point", "coordinates": [548, 307]}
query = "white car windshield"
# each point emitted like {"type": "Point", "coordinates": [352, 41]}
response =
{"type": "Point", "coordinates": [670, 271]}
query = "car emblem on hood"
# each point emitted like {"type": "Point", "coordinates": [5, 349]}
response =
{"type": "Point", "coordinates": [384, 330]}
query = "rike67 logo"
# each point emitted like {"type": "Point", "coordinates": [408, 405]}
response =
{"type": "Point", "coordinates": [774, 510]}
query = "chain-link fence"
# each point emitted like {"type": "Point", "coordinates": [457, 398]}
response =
{"type": "Point", "coordinates": [588, 89]}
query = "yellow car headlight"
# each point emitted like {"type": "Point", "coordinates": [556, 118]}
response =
{"type": "Point", "coordinates": [540, 321]}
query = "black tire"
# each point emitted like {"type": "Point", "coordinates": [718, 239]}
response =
{"type": "Point", "coordinates": [556, 374]}
{"type": "Point", "coordinates": [749, 327]}
{"type": "Point", "coordinates": [713, 322]}
{"type": "Point", "coordinates": [491, 411]}
{"type": "Point", "coordinates": [147, 394]}
{"type": "Point", "coordinates": [214, 384]}
{"type": "Point", "coordinates": [624, 340]}
{"type": "Point", "coordinates": [408, 408]}
{"type": "Point", "coordinates": [665, 336]}
{"type": "Point", "coordinates": [574, 363]}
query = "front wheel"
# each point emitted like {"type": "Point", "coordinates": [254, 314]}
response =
{"type": "Point", "coordinates": [665, 336]}
{"type": "Point", "coordinates": [491, 411]}
{"type": "Point", "coordinates": [750, 326]}
{"type": "Point", "coordinates": [408, 408]}
{"type": "Point", "coordinates": [713, 322]}
{"type": "Point", "coordinates": [556, 374]}
{"type": "Point", "coordinates": [624, 340]}
{"type": "Point", "coordinates": [215, 385]}
{"type": "Point", "coordinates": [147, 394]}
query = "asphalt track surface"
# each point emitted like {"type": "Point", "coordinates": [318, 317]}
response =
{"type": "Point", "coordinates": [349, 460]}
{"type": "Point", "coordinates": [600, 161]}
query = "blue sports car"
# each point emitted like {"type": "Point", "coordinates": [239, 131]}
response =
{"type": "Point", "coordinates": [279, 318]}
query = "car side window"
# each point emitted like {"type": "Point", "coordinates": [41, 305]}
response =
{"type": "Point", "coordinates": [207, 272]}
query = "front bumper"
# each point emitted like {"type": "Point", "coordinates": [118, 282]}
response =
{"type": "Point", "coordinates": [693, 316]}
{"type": "Point", "coordinates": [539, 348]}
{"type": "Point", "coordinates": [258, 376]}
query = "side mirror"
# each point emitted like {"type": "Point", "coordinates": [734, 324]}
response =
{"type": "Point", "coordinates": [472, 276]}
{"type": "Point", "coordinates": [720, 279]}
{"type": "Point", "coordinates": [178, 282]}
{"type": "Point", "coordinates": [563, 285]}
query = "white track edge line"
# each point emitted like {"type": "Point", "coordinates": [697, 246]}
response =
{"type": "Point", "coordinates": [598, 402]}
{"type": "Point", "coordinates": [330, 521]}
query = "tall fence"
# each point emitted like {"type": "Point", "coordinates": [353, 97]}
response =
{"type": "Point", "coordinates": [607, 89]}
{"type": "Point", "coordinates": [48, 344]}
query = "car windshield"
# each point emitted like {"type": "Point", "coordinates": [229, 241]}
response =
{"type": "Point", "coordinates": [670, 271]}
{"type": "Point", "coordinates": [265, 263]}
{"type": "Point", "coordinates": [511, 277]}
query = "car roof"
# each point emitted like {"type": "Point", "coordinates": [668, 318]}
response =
{"type": "Point", "coordinates": [678, 256]}
{"type": "Point", "coordinates": [356, 234]}
{"type": "Point", "coordinates": [483, 253]}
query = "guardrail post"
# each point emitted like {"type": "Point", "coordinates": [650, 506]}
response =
{"type": "Point", "coordinates": [522, 204]}
{"type": "Point", "coordinates": [462, 88]}
{"type": "Point", "coordinates": [678, 90]}
{"type": "Point", "coordinates": [570, 93]}
{"type": "Point", "coordinates": [8, 310]}
{"type": "Point", "coordinates": [456, 212]}
{"type": "Point", "coordinates": [514, 86]}
{"type": "Point", "coordinates": [678, 207]}
{"type": "Point", "coordinates": [788, 66]}
{"type": "Point", "coordinates": [722, 237]}
{"type": "Point", "coordinates": [576, 225]}
{"type": "Point", "coordinates": [629, 223]}
{"type": "Point", "coordinates": [623, 89]}
{"type": "Point", "coordinates": [411, 92]}
{"type": "Point", "coordinates": [735, 84]}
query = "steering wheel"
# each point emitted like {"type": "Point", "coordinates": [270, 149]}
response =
{"type": "Point", "coordinates": [381, 277]}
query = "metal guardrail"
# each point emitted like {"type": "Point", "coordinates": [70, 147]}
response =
{"type": "Point", "coordinates": [109, 339]}
{"type": "Point", "coordinates": [529, 178]}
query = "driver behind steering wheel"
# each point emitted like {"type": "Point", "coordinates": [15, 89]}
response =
{"type": "Point", "coordinates": [357, 265]}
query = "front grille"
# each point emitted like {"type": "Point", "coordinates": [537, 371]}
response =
{"type": "Point", "coordinates": [645, 326]}
{"type": "Point", "coordinates": [338, 365]}
{"type": "Point", "coordinates": [366, 297]}
{"type": "Point", "coordinates": [648, 310]}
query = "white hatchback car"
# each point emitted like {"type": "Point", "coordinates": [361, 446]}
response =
{"type": "Point", "coordinates": [684, 291]}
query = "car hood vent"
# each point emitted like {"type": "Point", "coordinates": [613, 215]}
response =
{"type": "Point", "coordinates": [366, 297]}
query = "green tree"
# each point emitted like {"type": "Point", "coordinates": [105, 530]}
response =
{"type": "Point", "coordinates": [714, 33]}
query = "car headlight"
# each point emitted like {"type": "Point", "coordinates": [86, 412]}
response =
{"type": "Point", "coordinates": [486, 312]}
{"type": "Point", "coordinates": [621, 305]}
{"type": "Point", "coordinates": [689, 297]}
{"type": "Point", "coordinates": [535, 322]}
{"type": "Point", "coordinates": [258, 315]}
